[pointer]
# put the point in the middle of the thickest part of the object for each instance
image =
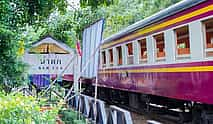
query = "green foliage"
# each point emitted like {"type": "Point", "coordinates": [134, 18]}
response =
{"type": "Point", "coordinates": [67, 28]}
{"type": "Point", "coordinates": [71, 117]}
{"type": "Point", "coordinates": [11, 13]}
{"type": "Point", "coordinates": [62, 28]}
{"type": "Point", "coordinates": [127, 12]}
{"type": "Point", "coordinates": [32, 34]}
{"type": "Point", "coordinates": [118, 15]}
{"type": "Point", "coordinates": [96, 3]}
{"type": "Point", "coordinates": [16, 13]}
{"type": "Point", "coordinates": [19, 109]}
{"type": "Point", "coordinates": [11, 69]}
{"type": "Point", "coordinates": [40, 9]}
{"type": "Point", "coordinates": [15, 16]}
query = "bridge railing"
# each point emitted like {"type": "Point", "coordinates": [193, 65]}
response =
{"type": "Point", "coordinates": [104, 114]}
{"type": "Point", "coordinates": [118, 116]}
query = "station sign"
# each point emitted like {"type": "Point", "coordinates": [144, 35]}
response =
{"type": "Point", "coordinates": [49, 56]}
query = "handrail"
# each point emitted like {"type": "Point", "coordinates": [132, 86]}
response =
{"type": "Point", "coordinates": [87, 106]}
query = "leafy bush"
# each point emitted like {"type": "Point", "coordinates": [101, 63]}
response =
{"type": "Point", "coordinates": [19, 109]}
{"type": "Point", "coordinates": [11, 69]}
{"type": "Point", "coordinates": [71, 117]}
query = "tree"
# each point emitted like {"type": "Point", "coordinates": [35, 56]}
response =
{"type": "Point", "coordinates": [15, 16]}
{"type": "Point", "coordinates": [68, 27]}
{"type": "Point", "coordinates": [16, 13]}
{"type": "Point", "coordinates": [127, 12]}
{"type": "Point", "coordinates": [95, 3]}
{"type": "Point", "coordinates": [11, 68]}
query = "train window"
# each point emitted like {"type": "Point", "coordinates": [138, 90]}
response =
{"type": "Point", "coordinates": [182, 42]}
{"type": "Point", "coordinates": [129, 47]}
{"type": "Point", "coordinates": [160, 47]}
{"type": "Point", "coordinates": [208, 34]}
{"type": "Point", "coordinates": [119, 53]}
{"type": "Point", "coordinates": [103, 59]}
{"type": "Point", "coordinates": [143, 50]}
{"type": "Point", "coordinates": [111, 57]}
{"type": "Point", "coordinates": [130, 53]}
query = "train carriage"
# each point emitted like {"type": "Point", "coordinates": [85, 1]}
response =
{"type": "Point", "coordinates": [165, 59]}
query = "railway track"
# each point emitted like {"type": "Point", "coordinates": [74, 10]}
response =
{"type": "Point", "coordinates": [151, 112]}
{"type": "Point", "coordinates": [141, 117]}
{"type": "Point", "coordinates": [156, 114]}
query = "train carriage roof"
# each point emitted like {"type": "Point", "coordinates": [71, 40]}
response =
{"type": "Point", "coordinates": [155, 18]}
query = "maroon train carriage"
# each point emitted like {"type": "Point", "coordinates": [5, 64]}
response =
{"type": "Point", "coordinates": [165, 59]}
